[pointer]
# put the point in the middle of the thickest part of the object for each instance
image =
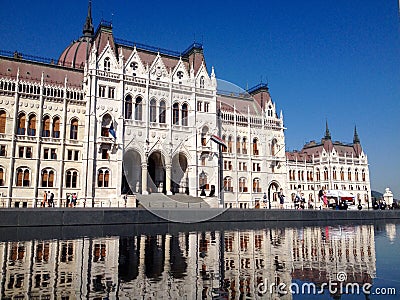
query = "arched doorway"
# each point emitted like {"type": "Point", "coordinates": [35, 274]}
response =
{"type": "Point", "coordinates": [131, 173]}
{"type": "Point", "coordinates": [179, 175]}
{"type": "Point", "coordinates": [156, 173]}
{"type": "Point", "coordinates": [273, 190]}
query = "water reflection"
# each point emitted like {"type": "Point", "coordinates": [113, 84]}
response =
{"type": "Point", "coordinates": [191, 265]}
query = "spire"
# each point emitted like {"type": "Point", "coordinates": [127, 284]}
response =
{"type": "Point", "coordinates": [356, 139]}
{"type": "Point", "coordinates": [327, 133]}
{"type": "Point", "coordinates": [88, 29]}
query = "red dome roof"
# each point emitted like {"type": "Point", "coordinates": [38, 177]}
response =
{"type": "Point", "coordinates": [75, 55]}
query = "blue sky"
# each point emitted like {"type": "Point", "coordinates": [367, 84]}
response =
{"type": "Point", "coordinates": [323, 60]}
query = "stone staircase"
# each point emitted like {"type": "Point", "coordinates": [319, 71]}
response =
{"type": "Point", "coordinates": [159, 200]}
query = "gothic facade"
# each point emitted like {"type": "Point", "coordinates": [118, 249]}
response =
{"type": "Point", "coordinates": [112, 118]}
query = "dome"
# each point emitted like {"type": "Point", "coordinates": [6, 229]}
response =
{"type": "Point", "coordinates": [75, 55]}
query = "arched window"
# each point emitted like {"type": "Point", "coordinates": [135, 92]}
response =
{"type": "Point", "coordinates": [230, 144]}
{"type": "Point", "coordinates": [105, 125]}
{"type": "Point", "coordinates": [223, 148]}
{"type": "Point", "coordinates": [326, 174]}
{"type": "Point", "coordinates": [175, 114]}
{"type": "Point", "coordinates": [255, 146]}
{"type": "Point", "coordinates": [363, 174]}
{"type": "Point", "coordinates": [32, 125]}
{"type": "Point", "coordinates": [71, 179]}
{"type": "Point", "coordinates": [356, 174]}
{"type": "Point", "coordinates": [256, 185]}
{"type": "Point", "coordinates": [238, 145]}
{"type": "Point", "coordinates": [138, 109]}
{"type": "Point", "coordinates": [228, 184]}
{"type": "Point", "coordinates": [334, 173]}
{"type": "Point", "coordinates": [244, 145]}
{"type": "Point", "coordinates": [203, 181]}
{"type": "Point", "coordinates": [128, 107]}
{"type": "Point", "coordinates": [2, 121]}
{"type": "Point", "coordinates": [153, 110]}
{"type": "Point", "coordinates": [242, 185]}
{"type": "Point", "coordinates": [202, 82]}
{"type": "Point", "coordinates": [107, 64]}
{"type": "Point", "coordinates": [74, 129]}
{"type": "Point", "coordinates": [349, 174]}
{"type": "Point", "coordinates": [341, 174]}
{"type": "Point", "coordinates": [162, 114]}
{"type": "Point", "coordinates": [103, 178]}
{"type": "Point", "coordinates": [184, 114]}
{"type": "Point", "coordinates": [23, 177]}
{"type": "Point", "coordinates": [21, 124]}
{"type": "Point", "coordinates": [46, 126]}
{"type": "Point", "coordinates": [318, 174]}
{"type": "Point", "coordinates": [204, 132]}
{"type": "Point", "coordinates": [1, 177]}
{"type": "Point", "coordinates": [47, 178]}
{"type": "Point", "coordinates": [56, 127]}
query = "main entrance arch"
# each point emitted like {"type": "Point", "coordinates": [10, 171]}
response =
{"type": "Point", "coordinates": [131, 173]}
{"type": "Point", "coordinates": [179, 176]}
{"type": "Point", "coordinates": [156, 173]}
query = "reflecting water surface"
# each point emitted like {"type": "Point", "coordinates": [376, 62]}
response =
{"type": "Point", "coordinates": [328, 262]}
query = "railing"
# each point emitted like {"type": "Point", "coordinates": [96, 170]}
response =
{"type": "Point", "coordinates": [257, 87]}
{"type": "Point", "coordinates": [195, 45]}
{"type": "Point", "coordinates": [147, 47]}
{"type": "Point", "coordinates": [243, 94]}
{"type": "Point", "coordinates": [40, 59]}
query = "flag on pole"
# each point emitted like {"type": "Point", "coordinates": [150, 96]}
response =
{"type": "Point", "coordinates": [218, 140]}
{"type": "Point", "coordinates": [112, 131]}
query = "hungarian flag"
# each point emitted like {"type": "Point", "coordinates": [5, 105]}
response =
{"type": "Point", "coordinates": [112, 131]}
{"type": "Point", "coordinates": [218, 140]}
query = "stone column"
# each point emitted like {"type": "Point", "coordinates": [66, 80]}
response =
{"type": "Point", "coordinates": [144, 179]}
{"type": "Point", "coordinates": [168, 178]}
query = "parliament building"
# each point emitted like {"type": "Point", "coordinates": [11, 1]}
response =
{"type": "Point", "coordinates": [111, 120]}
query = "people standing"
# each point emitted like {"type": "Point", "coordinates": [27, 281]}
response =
{"type": "Point", "coordinates": [325, 199]}
{"type": "Point", "coordinates": [281, 197]}
{"type": "Point", "coordinates": [48, 198]}
{"type": "Point", "coordinates": [68, 200]}
{"type": "Point", "coordinates": [74, 198]}
{"type": "Point", "coordinates": [44, 201]}
{"type": "Point", "coordinates": [51, 200]}
{"type": "Point", "coordinates": [297, 199]}
{"type": "Point", "coordinates": [321, 197]}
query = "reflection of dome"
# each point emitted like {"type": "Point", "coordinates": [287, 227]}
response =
{"type": "Point", "coordinates": [77, 52]}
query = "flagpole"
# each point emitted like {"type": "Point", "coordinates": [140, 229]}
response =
{"type": "Point", "coordinates": [220, 162]}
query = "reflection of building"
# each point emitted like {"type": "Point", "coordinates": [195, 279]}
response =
{"type": "Point", "coordinates": [332, 165]}
{"type": "Point", "coordinates": [111, 118]}
{"type": "Point", "coordinates": [319, 254]}
{"type": "Point", "coordinates": [197, 265]}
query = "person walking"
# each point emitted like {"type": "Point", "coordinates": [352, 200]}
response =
{"type": "Point", "coordinates": [281, 197]}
